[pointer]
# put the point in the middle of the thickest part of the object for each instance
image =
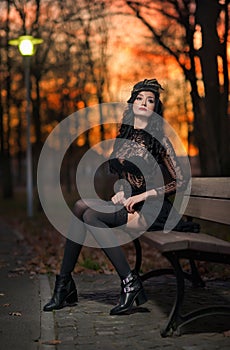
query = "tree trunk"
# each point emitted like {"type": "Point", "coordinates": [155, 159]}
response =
{"type": "Point", "coordinates": [6, 161]}
{"type": "Point", "coordinates": [214, 116]}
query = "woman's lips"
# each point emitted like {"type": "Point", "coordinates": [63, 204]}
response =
{"type": "Point", "coordinates": [143, 109]}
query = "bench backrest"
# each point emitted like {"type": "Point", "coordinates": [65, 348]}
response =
{"type": "Point", "coordinates": [210, 199]}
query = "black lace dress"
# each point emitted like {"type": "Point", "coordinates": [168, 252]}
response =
{"type": "Point", "coordinates": [132, 161]}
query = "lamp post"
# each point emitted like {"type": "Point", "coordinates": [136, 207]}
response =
{"type": "Point", "coordinates": [27, 45]}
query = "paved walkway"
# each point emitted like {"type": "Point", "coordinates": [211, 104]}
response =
{"type": "Point", "coordinates": [24, 326]}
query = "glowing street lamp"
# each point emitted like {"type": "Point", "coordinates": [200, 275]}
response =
{"type": "Point", "coordinates": [27, 47]}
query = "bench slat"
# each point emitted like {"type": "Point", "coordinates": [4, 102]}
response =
{"type": "Point", "coordinates": [175, 241]}
{"type": "Point", "coordinates": [217, 210]}
{"type": "Point", "coordinates": [211, 187]}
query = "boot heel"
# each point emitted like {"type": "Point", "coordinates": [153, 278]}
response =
{"type": "Point", "coordinates": [72, 298]}
{"type": "Point", "coordinates": [131, 291]}
{"type": "Point", "coordinates": [65, 293]}
{"type": "Point", "coordinates": [141, 298]}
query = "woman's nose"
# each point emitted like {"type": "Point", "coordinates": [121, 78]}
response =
{"type": "Point", "coordinates": [144, 101]}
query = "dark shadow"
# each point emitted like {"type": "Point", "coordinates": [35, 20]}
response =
{"type": "Point", "coordinates": [110, 298]}
{"type": "Point", "coordinates": [217, 324]}
{"type": "Point", "coordinates": [162, 291]}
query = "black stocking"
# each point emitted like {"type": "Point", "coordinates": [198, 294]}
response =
{"type": "Point", "coordinates": [99, 222]}
{"type": "Point", "coordinates": [72, 248]}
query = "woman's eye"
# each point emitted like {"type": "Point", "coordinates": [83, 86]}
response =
{"type": "Point", "coordinates": [138, 98]}
{"type": "Point", "coordinates": [151, 101]}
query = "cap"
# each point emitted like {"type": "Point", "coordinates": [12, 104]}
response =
{"type": "Point", "coordinates": [147, 85]}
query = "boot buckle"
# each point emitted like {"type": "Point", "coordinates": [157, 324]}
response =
{"type": "Point", "coordinates": [128, 289]}
{"type": "Point", "coordinates": [128, 279]}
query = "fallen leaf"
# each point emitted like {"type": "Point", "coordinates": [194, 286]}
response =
{"type": "Point", "coordinates": [51, 342]}
{"type": "Point", "coordinates": [6, 305]}
{"type": "Point", "coordinates": [15, 313]}
{"type": "Point", "coordinates": [2, 294]}
{"type": "Point", "coordinates": [18, 269]}
{"type": "Point", "coordinates": [227, 333]}
{"type": "Point", "coordinates": [2, 264]}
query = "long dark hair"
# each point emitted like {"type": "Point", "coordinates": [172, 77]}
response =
{"type": "Point", "coordinates": [154, 127]}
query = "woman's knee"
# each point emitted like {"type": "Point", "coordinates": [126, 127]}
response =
{"type": "Point", "coordinates": [89, 216]}
{"type": "Point", "coordinates": [79, 208]}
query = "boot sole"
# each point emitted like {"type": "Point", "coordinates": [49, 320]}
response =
{"type": "Point", "coordinates": [140, 299]}
{"type": "Point", "coordinates": [70, 300]}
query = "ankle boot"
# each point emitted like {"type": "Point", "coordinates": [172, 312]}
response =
{"type": "Point", "coordinates": [65, 293]}
{"type": "Point", "coordinates": [131, 290]}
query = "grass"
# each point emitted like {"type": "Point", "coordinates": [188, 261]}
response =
{"type": "Point", "coordinates": [90, 264]}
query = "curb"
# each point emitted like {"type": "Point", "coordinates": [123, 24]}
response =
{"type": "Point", "coordinates": [47, 318]}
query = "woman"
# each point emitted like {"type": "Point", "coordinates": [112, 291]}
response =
{"type": "Point", "coordinates": [140, 138]}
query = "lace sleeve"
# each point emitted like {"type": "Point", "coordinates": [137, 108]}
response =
{"type": "Point", "coordinates": [174, 178]}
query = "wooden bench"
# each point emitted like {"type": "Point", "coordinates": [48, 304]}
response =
{"type": "Point", "coordinates": [209, 200]}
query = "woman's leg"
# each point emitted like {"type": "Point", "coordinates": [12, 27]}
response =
{"type": "Point", "coordinates": [65, 292]}
{"type": "Point", "coordinates": [102, 219]}
{"type": "Point", "coordinates": [100, 226]}
{"type": "Point", "coordinates": [100, 222]}
{"type": "Point", "coordinates": [72, 248]}
{"type": "Point", "coordinates": [132, 289]}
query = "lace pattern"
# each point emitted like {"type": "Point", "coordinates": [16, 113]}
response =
{"type": "Point", "coordinates": [132, 155]}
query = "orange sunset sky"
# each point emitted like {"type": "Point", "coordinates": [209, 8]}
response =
{"type": "Point", "coordinates": [133, 56]}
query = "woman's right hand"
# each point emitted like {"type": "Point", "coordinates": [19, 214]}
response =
{"type": "Point", "coordinates": [118, 198]}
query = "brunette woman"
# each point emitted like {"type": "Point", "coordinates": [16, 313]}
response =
{"type": "Point", "coordinates": [140, 139]}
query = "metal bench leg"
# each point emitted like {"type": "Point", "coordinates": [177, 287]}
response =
{"type": "Point", "coordinates": [153, 273]}
{"type": "Point", "coordinates": [196, 279]}
{"type": "Point", "coordinates": [138, 254]}
{"type": "Point", "coordinates": [175, 315]}
{"type": "Point", "coordinates": [176, 320]}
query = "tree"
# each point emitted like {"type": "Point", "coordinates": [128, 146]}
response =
{"type": "Point", "coordinates": [5, 155]}
{"type": "Point", "coordinates": [213, 60]}
{"type": "Point", "coordinates": [73, 60]}
{"type": "Point", "coordinates": [86, 27]}
{"type": "Point", "coordinates": [205, 67]}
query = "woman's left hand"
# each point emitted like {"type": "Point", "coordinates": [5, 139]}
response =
{"type": "Point", "coordinates": [131, 201]}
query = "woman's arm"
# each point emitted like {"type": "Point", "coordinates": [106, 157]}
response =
{"type": "Point", "coordinates": [174, 178]}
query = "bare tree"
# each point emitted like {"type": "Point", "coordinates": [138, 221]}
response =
{"type": "Point", "coordinates": [6, 160]}
{"type": "Point", "coordinates": [86, 27]}
{"type": "Point", "coordinates": [86, 31]}
{"type": "Point", "coordinates": [178, 21]}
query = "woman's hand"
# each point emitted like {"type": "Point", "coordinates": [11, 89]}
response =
{"type": "Point", "coordinates": [118, 198]}
{"type": "Point", "coordinates": [131, 201]}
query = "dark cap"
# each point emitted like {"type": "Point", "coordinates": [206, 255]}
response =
{"type": "Point", "coordinates": [147, 85]}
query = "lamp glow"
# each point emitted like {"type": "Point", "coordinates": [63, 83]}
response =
{"type": "Point", "coordinates": [26, 47]}
{"type": "Point", "coordinates": [26, 44]}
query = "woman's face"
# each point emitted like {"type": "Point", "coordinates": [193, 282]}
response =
{"type": "Point", "coordinates": [144, 104]}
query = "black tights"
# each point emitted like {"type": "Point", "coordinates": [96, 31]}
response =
{"type": "Point", "coordinates": [96, 220]}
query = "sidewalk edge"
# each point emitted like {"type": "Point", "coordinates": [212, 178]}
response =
{"type": "Point", "coordinates": [47, 318]}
